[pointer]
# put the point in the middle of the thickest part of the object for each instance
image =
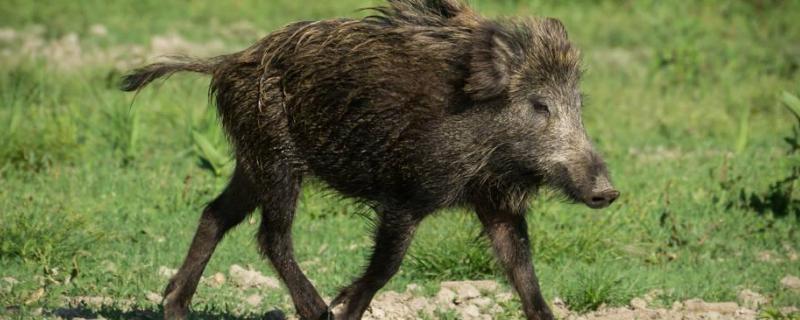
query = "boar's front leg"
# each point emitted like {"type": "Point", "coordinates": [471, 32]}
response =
{"type": "Point", "coordinates": [504, 223]}
{"type": "Point", "coordinates": [392, 238]}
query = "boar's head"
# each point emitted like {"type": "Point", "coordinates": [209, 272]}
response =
{"type": "Point", "coordinates": [527, 73]}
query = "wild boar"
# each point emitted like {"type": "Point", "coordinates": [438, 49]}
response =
{"type": "Point", "coordinates": [424, 105]}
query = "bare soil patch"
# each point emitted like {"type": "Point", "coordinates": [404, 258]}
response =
{"type": "Point", "coordinates": [472, 300]}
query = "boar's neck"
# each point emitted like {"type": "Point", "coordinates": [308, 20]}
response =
{"type": "Point", "coordinates": [465, 158]}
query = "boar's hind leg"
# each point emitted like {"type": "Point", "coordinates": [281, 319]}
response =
{"type": "Point", "coordinates": [392, 238]}
{"type": "Point", "coordinates": [275, 240]}
{"type": "Point", "coordinates": [509, 235]}
{"type": "Point", "coordinates": [222, 214]}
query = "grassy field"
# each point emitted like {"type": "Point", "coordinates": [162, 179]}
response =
{"type": "Point", "coordinates": [689, 101]}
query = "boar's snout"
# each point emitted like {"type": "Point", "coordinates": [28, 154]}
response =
{"type": "Point", "coordinates": [585, 179]}
{"type": "Point", "coordinates": [602, 199]}
{"type": "Point", "coordinates": [600, 192]}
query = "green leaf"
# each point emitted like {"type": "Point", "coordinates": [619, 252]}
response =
{"type": "Point", "coordinates": [210, 154]}
{"type": "Point", "coordinates": [744, 128]}
{"type": "Point", "coordinates": [793, 104]}
{"type": "Point", "coordinates": [133, 134]}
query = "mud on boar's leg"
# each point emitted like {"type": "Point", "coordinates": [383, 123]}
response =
{"type": "Point", "coordinates": [226, 211]}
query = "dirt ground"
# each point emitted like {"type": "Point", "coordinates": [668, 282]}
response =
{"type": "Point", "coordinates": [479, 300]}
{"type": "Point", "coordinates": [473, 300]}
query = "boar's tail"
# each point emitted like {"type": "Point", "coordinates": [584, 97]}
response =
{"type": "Point", "coordinates": [141, 77]}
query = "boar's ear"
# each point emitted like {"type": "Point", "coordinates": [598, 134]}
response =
{"type": "Point", "coordinates": [555, 27]}
{"type": "Point", "coordinates": [495, 55]}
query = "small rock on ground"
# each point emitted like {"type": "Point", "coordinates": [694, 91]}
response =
{"type": "Point", "coordinates": [10, 280]}
{"type": "Point", "coordinates": [697, 305]}
{"type": "Point", "coordinates": [751, 299]}
{"type": "Point", "coordinates": [254, 300]}
{"type": "Point", "coordinates": [638, 303]}
{"type": "Point", "coordinates": [166, 272]}
{"type": "Point", "coordinates": [791, 282]}
{"type": "Point", "coordinates": [481, 285]}
{"type": "Point", "coordinates": [216, 280]}
{"type": "Point", "coordinates": [245, 278]}
{"type": "Point", "coordinates": [445, 296]}
{"type": "Point", "coordinates": [153, 297]}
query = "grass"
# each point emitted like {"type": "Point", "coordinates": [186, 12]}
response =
{"type": "Point", "coordinates": [686, 101]}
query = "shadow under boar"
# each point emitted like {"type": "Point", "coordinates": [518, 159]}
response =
{"type": "Point", "coordinates": [423, 106]}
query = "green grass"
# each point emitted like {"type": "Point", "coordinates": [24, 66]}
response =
{"type": "Point", "coordinates": [686, 101]}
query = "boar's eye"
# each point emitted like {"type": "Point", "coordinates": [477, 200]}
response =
{"type": "Point", "coordinates": [540, 108]}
